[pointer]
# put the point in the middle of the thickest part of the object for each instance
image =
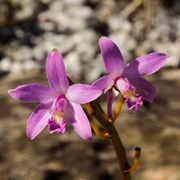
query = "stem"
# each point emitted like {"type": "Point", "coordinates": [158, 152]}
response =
{"type": "Point", "coordinates": [103, 119]}
{"type": "Point", "coordinates": [119, 106]}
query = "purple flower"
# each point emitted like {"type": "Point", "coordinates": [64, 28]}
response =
{"type": "Point", "coordinates": [127, 80]}
{"type": "Point", "coordinates": [57, 101]}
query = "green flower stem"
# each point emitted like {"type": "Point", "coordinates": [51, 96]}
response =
{"type": "Point", "coordinates": [104, 120]}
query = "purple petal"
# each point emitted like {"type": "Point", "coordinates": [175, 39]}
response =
{"type": "Point", "coordinates": [38, 120]}
{"type": "Point", "coordinates": [55, 127]}
{"type": "Point", "coordinates": [133, 98]}
{"type": "Point", "coordinates": [77, 118]}
{"type": "Point", "coordinates": [145, 65]}
{"type": "Point", "coordinates": [81, 93]}
{"type": "Point", "coordinates": [145, 88]}
{"type": "Point", "coordinates": [33, 93]}
{"type": "Point", "coordinates": [123, 84]}
{"type": "Point", "coordinates": [111, 95]}
{"type": "Point", "coordinates": [134, 104]}
{"type": "Point", "coordinates": [112, 57]}
{"type": "Point", "coordinates": [56, 72]}
{"type": "Point", "coordinates": [104, 83]}
{"type": "Point", "coordinates": [59, 104]}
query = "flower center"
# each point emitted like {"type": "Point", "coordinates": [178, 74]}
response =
{"type": "Point", "coordinates": [131, 95]}
{"type": "Point", "coordinates": [57, 116]}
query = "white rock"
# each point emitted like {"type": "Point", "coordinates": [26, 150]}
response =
{"type": "Point", "coordinates": [57, 6]}
{"type": "Point", "coordinates": [62, 42]}
{"type": "Point", "coordinates": [117, 23]}
{"type": "Point", "coordinates": [31, 65]}
{"type": "Point", "coordinates": [73, 64]}
{"type": "Point", "coordinates": [82, 12]}
{"type": "Point", "coordinates": [86, 43]}
{"type": "Point", "coordinates": [16, 67]}
{"type": "Point", "coordinates": [173, 61]}
{"type": "Point", "coordinates": [18, 32]}
{"type": "Point", "coordinates": [27, 9]}
{"type": "Point", "coordinates": [23, 53]}
{"type": "Point", "coordinates": [94, 69]}
{"type": "Point", "coordinates": [5, 64]}
{"type": "Point", "coordinates": [47, 26]}
{"type": "Point", "coordinates": [39, 53]}
{"type": "Point", "coordinates": [73, 2]}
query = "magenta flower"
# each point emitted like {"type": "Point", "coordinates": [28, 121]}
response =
{"type": "Point", "coordinates": [57, 101]}
{"type": "Point", "coordinates": [127, 80]}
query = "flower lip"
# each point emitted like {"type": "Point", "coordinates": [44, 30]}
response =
{"type": "Point", "coordinates": [58, 127]}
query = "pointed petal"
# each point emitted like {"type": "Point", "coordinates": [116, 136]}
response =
{"type": "Point", "coordinates": [33, 93]}
{"type": "Point", "coordinates": [56, 72]}
{"type": "Point", "coordinates": [145, 65]}
{"type": "Point", "coordinates": [77, 118]}
{"type": "Point", "coordinates": [81, 93]}
{"type": "Point", "coordinates": [111, 95]}
{"type": "Point", "coordinates": [112, 57]}
{"type": "Point", "coordinates": [145, 88]}
{"type": "Point", "coordinates": [104, 83]}
{"type": "Point", "coordinates": [38, 120]}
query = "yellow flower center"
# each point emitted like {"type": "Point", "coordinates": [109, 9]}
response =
{"type": "Point", "coordinates": [131, 95]}
{"type": "Point", "coordinates": [57, 117]}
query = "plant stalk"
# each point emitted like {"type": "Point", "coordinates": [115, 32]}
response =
{"type": "Point", "coordinates": [115, 140]}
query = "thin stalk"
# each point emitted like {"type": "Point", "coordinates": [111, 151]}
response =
{"type": "Point", "coordinates": [115, 140]}
{"type": "Point", "coordinates": [119, 106]}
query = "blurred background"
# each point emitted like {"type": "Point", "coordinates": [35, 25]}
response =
{"type": "Point", "coordinates": [30, 29]}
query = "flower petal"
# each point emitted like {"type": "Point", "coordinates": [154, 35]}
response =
{"type": "Point", "coordinates": [81, 93]}
{"type": "Point", "coordinates": [56, 72]}
{"type": "Point", "coordinates": [145, 88]}
{"type": "Point", "coordinates": [133, 98]}
{"type": "Point", "coordinates": [38, 120]}
{"type": "Point", "coordinates": [56, 127]}
{"type": "Point", "coordinates": [111, 95]}
{"type": "Point", "coordinates": [112, 57]}
{"type": "Point", "coordinates": [145, 65]}
{"type": "Point", "coordinates": [104, 83]}
{"type": "Point", "coordinates": [123, 84]}
{"type": "Point", "coordinates": [33, 93]}
{"type": "Point", "coordinates": [77, 118]}
{"type": "Point", "coordinates": [59, 104]}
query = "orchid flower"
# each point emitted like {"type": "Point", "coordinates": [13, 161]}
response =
{"type": "Point", "coordinates": [127, 80]}
{"type": "Point", "coordinates": [57, 101]}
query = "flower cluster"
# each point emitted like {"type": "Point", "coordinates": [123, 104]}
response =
{"type": "Point", "coordinates": [60, 102]}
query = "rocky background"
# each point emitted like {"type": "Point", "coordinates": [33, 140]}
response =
{"type": "Point", "coordinates": [29, 29]}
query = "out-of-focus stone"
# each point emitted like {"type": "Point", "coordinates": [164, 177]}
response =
{"type": "Point", "coordinates": [86, 44]}
{"type": "Point", "coordinates": [5, 64]}
{"type": "Point", "coordinates": [16, 67]}
{"type": "Point", "coordinates": [22, 54]}
{"type": "Point", "coordinates": [39, 53]}
{"type": "Point", "coordinates": [31, 65]}
{"type": "Point", "coordinates": [73, 65]}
